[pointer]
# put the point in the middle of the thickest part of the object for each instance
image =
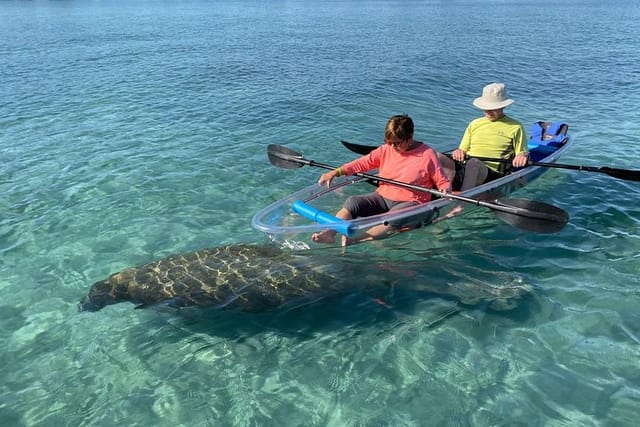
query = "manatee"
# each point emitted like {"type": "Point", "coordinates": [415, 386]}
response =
{"type": "Point", "coordinates": [251, 278]}
{"type": "Point", "coordinates": [255, 278]}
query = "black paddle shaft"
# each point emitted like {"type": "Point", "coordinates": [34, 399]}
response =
{"type": "Point", "coordinates": [626, 174]}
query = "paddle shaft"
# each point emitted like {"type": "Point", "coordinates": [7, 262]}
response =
{"type": "Point", "coordinates": [493, 206]}
{"type": "Point", "coordinates": [625, 174]}
{"type": "Point", "coordinates": [542, 164]}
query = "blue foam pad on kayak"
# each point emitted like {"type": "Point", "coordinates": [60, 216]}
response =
{"type": "Point", "coordinates": [314, 214]}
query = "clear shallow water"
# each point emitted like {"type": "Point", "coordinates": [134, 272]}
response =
{"type": "Point", "coordinates": [132, 131]}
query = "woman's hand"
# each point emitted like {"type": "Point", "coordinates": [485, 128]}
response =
{"type": "Point", "coordinates": [326, 178]}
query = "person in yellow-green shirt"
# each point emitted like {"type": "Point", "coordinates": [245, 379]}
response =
{"type": "Point", "coordinates": [493, 135]}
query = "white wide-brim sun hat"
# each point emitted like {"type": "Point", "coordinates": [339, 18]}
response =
{"type": "Point", "coordinates": [494, 96]}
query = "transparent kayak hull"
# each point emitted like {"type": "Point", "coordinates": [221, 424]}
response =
{"type": "Point", "coordinates": [291, 221]}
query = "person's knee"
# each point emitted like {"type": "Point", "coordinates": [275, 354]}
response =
{"type": "Point", "coordinates": [448, 165]}
{"type": "Point", "coordinates": [475, 163]}
{"type": "Point", "coordinates": [445, 160]}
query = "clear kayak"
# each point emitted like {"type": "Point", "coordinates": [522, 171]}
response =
{"type": "Point", "coordinates": [290, 222]}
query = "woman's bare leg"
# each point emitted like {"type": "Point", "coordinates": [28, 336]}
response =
{"type": "Point", "coordinates": [328, 235]}
{"type": "Point", "coordinates": [373, 233]}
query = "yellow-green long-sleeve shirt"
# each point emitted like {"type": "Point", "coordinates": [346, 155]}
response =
{"type": "Point", "coordinates": [503, 138]}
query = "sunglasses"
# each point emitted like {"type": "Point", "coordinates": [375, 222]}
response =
{"type": "Point", "coordinates": [397, 143]}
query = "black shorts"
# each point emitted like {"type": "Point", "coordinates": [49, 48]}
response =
{"type": "Point", "coordinates": [374, 204]}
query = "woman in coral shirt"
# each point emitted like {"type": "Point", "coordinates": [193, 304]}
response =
{"type": "Point", "coordinates": [400, 158]}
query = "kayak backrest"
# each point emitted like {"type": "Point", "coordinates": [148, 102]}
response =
{"type": "Point", "coordinates": [546, 137]}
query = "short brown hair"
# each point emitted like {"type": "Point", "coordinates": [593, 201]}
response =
{"type": "Point", "coordinates": [399, 127]}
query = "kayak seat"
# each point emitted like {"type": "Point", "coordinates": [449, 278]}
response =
{"type": "Point", "coordinates": [546, 137]}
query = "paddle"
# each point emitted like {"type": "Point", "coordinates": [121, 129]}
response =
{"type": "Point", "coordinates": [526, 214]}
{"type": "Point", "coordinates": [357, 148]}
{"type": "Point", "coordinates": [626, 174]}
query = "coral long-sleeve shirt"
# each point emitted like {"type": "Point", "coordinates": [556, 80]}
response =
{"type": "Point", "coordinates": [419, 166]}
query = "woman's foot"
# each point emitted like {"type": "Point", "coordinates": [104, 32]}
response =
{"type": "Point", "coordinates": [347, 241]}
{"type": "Point", "coordinates": [324, 236]}
{"type": "Point", "coordinates": [457, 210]}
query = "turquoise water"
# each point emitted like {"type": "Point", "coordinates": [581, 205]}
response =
{"type": "Point", "coordinates": [134, 130]}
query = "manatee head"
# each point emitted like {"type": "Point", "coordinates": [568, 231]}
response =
{"type": "Point", "coordinates": [111, 290]}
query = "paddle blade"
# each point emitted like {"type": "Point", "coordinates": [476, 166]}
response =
{"type": "Point", "coordinates": [357, 148]}
{"type": "Point", "coordinates": [284, 157]}
{"type": "Point", "coordinates": [626, 174]}
{"type": "Point", "coordinates": [533, 215]}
